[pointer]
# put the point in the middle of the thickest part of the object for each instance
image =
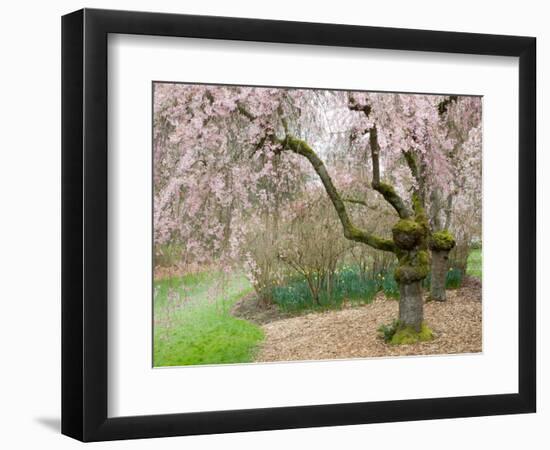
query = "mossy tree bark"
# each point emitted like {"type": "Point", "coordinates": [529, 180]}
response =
{"type": "Point", "coordinates": [411, 237]}
{"type": "Point", "coordinates": [411, 311]}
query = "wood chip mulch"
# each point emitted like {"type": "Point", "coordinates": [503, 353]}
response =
{"type": "Point", "coordinates": [352, 331]}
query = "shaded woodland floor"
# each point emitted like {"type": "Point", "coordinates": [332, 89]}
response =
{"type": "Point", "coordinates": [351, 332]}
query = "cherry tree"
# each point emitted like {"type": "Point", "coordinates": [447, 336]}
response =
{"type": "Point", "coordinates": [408, 138]}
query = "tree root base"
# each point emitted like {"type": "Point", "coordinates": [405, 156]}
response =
{"type": "Point", "coordinates": [408, 335]}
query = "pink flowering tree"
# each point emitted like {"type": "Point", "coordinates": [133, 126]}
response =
{"type": "Point", "coordinates": [209, 180]}
{"type": "Point", "coordinates": [229, 163]}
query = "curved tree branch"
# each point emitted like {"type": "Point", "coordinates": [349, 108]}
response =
{"type": "Point", "coordinates": [245, 112]}
{"type": "Point", "coordinates": [387, 190]}
{"type": "Point", "coordinates": [351, 232]}
{"type": "Point", "coordinates": [411, 162]}
{"type": "Point", "coordinates": [357, 201]}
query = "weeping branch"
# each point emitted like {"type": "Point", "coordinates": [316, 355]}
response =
{"type": "Point", "coordinates": [411, 162]}
{"type": "Point", "coordinates": [283, 118]}
{"type": "Point", "coordinates": [357, 201]}
{"type": "Point", "coordinates": [387, 191]}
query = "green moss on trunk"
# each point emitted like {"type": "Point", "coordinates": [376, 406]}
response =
{"type": "Point", "coordinates": [442, 240]}
{"type": "Point", "coordinates": [407, 234]}
{"type": "Point", "coordinates": [413, 266]}
{"type": "Point", "coordinates": [408, 335]}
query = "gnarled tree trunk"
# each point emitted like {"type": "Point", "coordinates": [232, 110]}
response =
{"type": "Point", "coordinates": [410, 237]}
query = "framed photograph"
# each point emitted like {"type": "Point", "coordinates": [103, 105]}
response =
{"type": "Point", "coordinates": [273, 225]}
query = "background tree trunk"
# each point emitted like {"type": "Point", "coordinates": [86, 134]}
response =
{"type": "Point", "coordinates": [441, 243]}
{"type": "Point", "coordinates": [440, 262]}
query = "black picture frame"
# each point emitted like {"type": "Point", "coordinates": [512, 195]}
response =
{"type": "Point", "coordinates": [84, 224]}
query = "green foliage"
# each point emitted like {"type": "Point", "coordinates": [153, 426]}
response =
{"type": "Point", "coordinates": [293, 295]}
{"type": "Point", "coordinates": [388, 331]}
{"type": "Point", "coordinates": [453, 279]}
{"type": "Point", "coordinates": [408, 335]}
{"type": "Point", "coordinates": [388, 284]}
{"type": "Point", "coordinates": [475, 244]}
{"type": "Point", "coordinates": [474, 264]}
{"type": "Point", "coordinates": [348, 284]}
{"type": "Point", "coordinates": [193, 324]}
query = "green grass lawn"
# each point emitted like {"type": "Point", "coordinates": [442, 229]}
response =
{"type": "Point", "coordinates": [193, 324]}
{"type": "Point", "coordinates": [474, 264]}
